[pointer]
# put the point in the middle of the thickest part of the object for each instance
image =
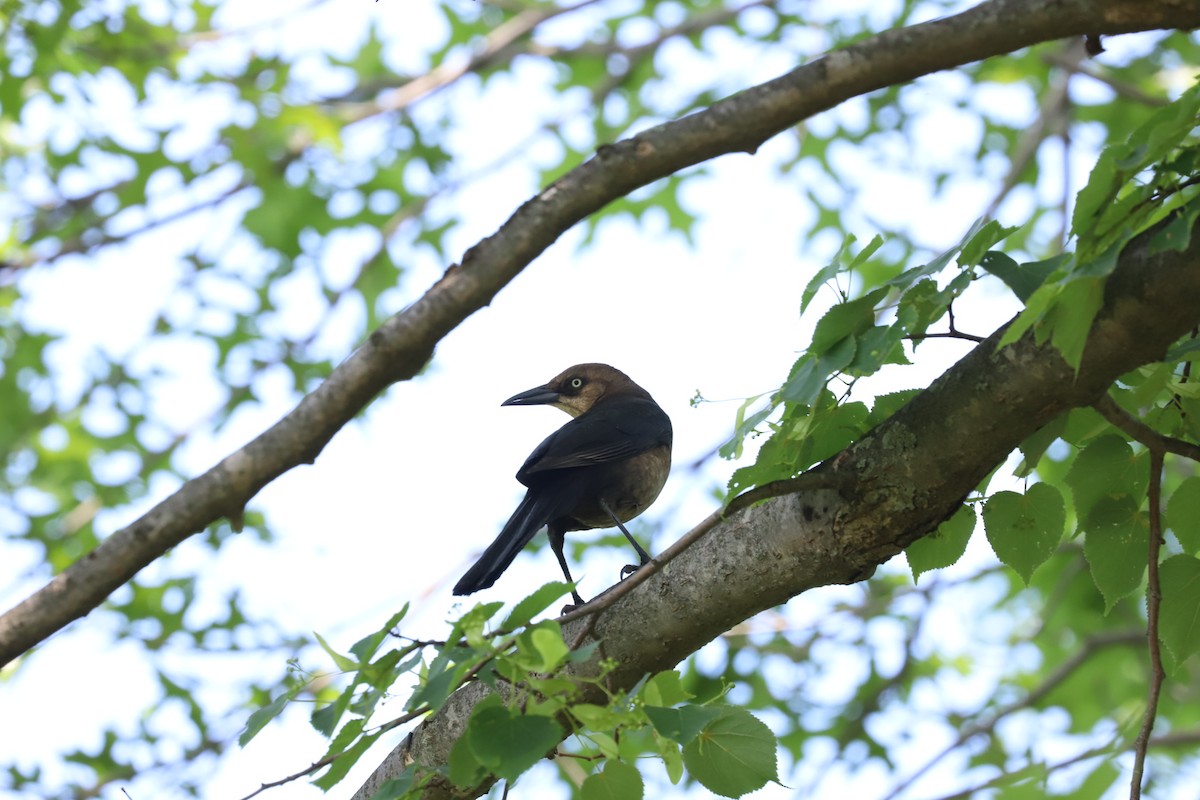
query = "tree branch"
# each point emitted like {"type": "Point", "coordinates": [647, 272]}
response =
{"type": "Point", "coordinates": [1153, 603]}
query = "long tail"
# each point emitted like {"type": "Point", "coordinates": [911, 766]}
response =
{"type": "Point", "coordinates": [535, 511]}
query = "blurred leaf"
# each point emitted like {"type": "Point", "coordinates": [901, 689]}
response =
{"type": "Point", "coordinates": [1116, 552]}
{"type": "Point", "coordinates": [1179, 621]}
{"type": "Point", "coordinates": [617, 781]}
{"type": "Point", "coordinates": [1183, 514]}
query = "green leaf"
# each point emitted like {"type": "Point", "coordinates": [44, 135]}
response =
{"type": "Point", "coordinates": [1025, 529]}
{"type": "Point", "coordinates": [1023, 279]}
{"type": "Point", "coordinates": [743, 426]}
{"type": "Point", "coordinates": [534, 604]}
{"type": "Point", "coordinates": [343, 663]}
{"type": "Point", "coordinates": [396, 788]}
{"type": "Point", "coordinates": [805, 383]}
{"type": "Point", "coordinates": [617, 781]}
{"type": "Point", "coordinates": [584, 652]}
{"type": "Point", "coordinates": [507, 742]}
{"type": "Point", "coordinates": [1179, 620]}
{"type": "Point", "coordinates": [1106, 469]}
{"type": "Point", "coordinates": [1177, 234]}
{"type": "Point", "coordinates": [1183, 514]}
{"type": "Point", "coordinates": [983, 241]}
{"type": "Point", "coordinates": [326, 718]}
{"type": "Point", "coordinates": [465, 769]}
{"type": "Point", "coordinates": [888, 404]}
{"type": "Point", "coordinates": [1072, 316]}
{"type": "Point", "coordinates": [259, 719]}
{"type": "Point", "coordinates": [367, 646]}
{"type": "Point", "coordinates": [944, 546]}
{"type": "Point", "coordinates": [733, 755]}
{"type": "Point", "coordinates": [348, 756]}
{"type": "Point", "coordinates": [597, 718]}
{"type": "Point", "coordinates": [550, 645]}
{"type": "Point", "coordinates": [840, 263]}
{"type": "Point", "coordinates": [845, 319]}
{"type": "Point", "coordinates": [681, 724]}
{"type": "Point", "coordinates": [434, 689]}
{"type": "Point", "coordinates": [665, 689]}
{"type": "Point", "coordinates": [878, 346]}
{"type": "Point", "coordinates": [1035, 446]}
{"type": "Point", "coordinates": [1116, 554]}
{"type": "Point", "coordinates": [672, 756]}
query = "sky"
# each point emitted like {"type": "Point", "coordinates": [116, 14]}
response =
{"type": "Point", "coordinates": [371, 524]}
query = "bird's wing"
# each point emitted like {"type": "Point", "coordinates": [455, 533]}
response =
{"type": "Point", "coordinates": [611, 431]}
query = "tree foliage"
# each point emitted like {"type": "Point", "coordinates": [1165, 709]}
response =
{"type": "Point", "coordinates": [270, 175]}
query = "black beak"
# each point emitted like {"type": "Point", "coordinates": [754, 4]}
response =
{"type": "Point", "coordinates": [537, 396]}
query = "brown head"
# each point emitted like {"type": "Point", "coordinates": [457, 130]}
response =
{"type": "Point", "coordinates": [577, 389]}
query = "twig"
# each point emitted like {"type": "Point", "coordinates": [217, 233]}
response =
{"type": "Point", "coordinates": [1159, 446]}
{"type": "Point", "coordinates": [403, 718]}
{"type": "Point", "coordinates": [1088, 69]}
{"type": "Point", "coordinates": [953, 333]}
{"type": "Point", "coordinates": [324, 762]}
{"type": "Point", "coordinates": [1143, 433]}
{"type": "Point", "coordinates": [500, 43]}
{"type": "Point", "coordinates": [1153, 602]}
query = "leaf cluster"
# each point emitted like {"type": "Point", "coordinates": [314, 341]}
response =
{"type": "Point", "coordinates": [542, 690]}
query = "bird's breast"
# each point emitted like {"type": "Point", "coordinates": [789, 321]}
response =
{"type": "Point", "coordinates": [629, 487]}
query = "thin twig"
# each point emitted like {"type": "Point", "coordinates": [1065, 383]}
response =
{"type": "Point", "coordinates": [324, 762]}
{"type": "Point", "coordinates": [403, 718]}
{"type": "Point", "coordinates": [499, 43]}
{"type": "Point", "coordinates": [1143, 433]}
{"type": "Point", "coordinates": [1153, 602]}
{"type": "Point", "coordinates": [953, 333]}
{"type": "Point", "coordinates": [1123, 88]}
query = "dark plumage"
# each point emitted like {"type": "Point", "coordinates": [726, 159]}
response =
{"type": "Point", "coordinates": [604, 467]}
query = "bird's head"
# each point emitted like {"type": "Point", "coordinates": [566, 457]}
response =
{"type": "Point", "coordinates": [577, 389]}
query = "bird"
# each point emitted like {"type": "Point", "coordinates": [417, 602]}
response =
{"type": "Point", "coordinates": [602, 468]}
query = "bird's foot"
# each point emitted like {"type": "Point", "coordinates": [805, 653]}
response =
{"type": "Point", "coordinates": [569, 607]}
{"type": "Point", "coordinates": [629, 569]}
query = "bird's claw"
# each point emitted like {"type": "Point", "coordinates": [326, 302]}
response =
{"type": "Point", "coordinates": [629, 569]}
{"type": "Point", "coordinates": [569, 607]}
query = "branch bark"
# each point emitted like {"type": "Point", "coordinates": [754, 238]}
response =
{"type": "Point", "coordinates": [400, 347]}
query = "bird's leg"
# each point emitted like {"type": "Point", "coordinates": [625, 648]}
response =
{"type": "Point", "coordinates": [644, 557]}
{"type": "Point", "coordinates": [557, 538]}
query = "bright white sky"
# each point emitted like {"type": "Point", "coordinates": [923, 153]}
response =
{"type": "Point", "coordinates": [370, 526]}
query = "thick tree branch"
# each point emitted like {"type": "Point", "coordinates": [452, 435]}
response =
{"type": "Point", "coordinates": [901, 480]}
{"type": "Point", "coordinates": [401, 346]}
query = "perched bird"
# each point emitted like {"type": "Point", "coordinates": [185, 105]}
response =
{"type": "Point", "coordinates": [603, 468]}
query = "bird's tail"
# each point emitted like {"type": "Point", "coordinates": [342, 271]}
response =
{"type": "Point", "coordinates": [528, 518]}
